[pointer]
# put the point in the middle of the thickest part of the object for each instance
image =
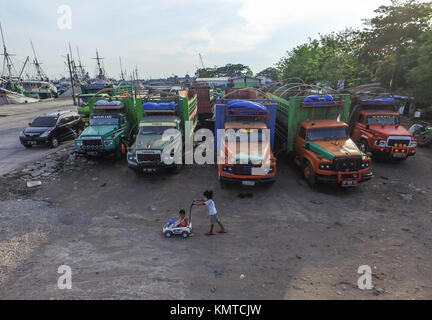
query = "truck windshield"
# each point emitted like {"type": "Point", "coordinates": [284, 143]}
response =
{"type": "Point", "coordinates": [44, 122]}
{"type": "Point", "coordinates": [327, 133]}
{"type": "Point", "coordinates": [100, 120]}
{"type": "Point", "coordinates": [246, 135]}
{"type": "Point", "coordinates": [150, 130]}
{"type": "Point", "coordinates": [383, 119]}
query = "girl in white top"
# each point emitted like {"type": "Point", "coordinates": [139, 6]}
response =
{"type": "Point", "coordinates": [208, 201]}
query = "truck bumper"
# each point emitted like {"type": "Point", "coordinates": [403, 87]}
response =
{"type": "Point", "coordinates": [392, 154]}
{"type": "Point", "coordinates": [247, 182]}
{"type": "Point", "coordinates": [149, 167]}
{"type": "Point", "coordinates": [348, 179]}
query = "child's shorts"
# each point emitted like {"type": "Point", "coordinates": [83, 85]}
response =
{"type": "Point", "coordinates": [214, 218]}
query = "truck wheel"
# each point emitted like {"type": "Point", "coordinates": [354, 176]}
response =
{"type": "Point", "coordinates": [309, 174]}
{"type": "Point", "coordinates": [168, 234]}
{"type": "Point", "coordinates": [54, 143]}
{"type": "Point", "coordinates": [425, 139]}
{"type": "Point", "coordinates": [119, 152]}
{"type": "Point", "coordinates": [364, 146]}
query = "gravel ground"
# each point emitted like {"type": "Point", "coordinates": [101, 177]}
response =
{"type": "Point", "coordinates": [284, 242]}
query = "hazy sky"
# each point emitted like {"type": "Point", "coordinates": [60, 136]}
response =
{"type": "Point", "coordinates": [164, 37]}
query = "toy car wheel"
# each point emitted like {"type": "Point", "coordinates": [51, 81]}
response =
{"type": "Point", "coordinates": [168, 234]}
{"type": "Point", "coordinates": [185, 234]}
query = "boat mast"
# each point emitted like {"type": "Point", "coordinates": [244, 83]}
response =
{"type": "Point", "coordinates": [80, 66]}
{"type": "Point", "coordinates": [101, 74]}
{"type": "Point", "coordinates": [121, 71]}
{"type": "Point", "coordinates": [39, 71]}
{"type": "Point", "coordinates": [6, 60]}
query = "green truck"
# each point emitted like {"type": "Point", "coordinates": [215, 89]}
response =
{"type": "Point", "coordinates": [172, 116]}
{"type": "Point", "coordinates": [313, 130]}
{"type": "Point", "coordinates": [113, 123]}
{"type": "Point", "coordinates": [103, 90]}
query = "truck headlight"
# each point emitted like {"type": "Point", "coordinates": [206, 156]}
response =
{"type": "Point", "coordinates": [108, 143]}
{"type": "Point", "coordinates": [45, 134]}
{"type": "Point", "coordinates": [413, 144]}
{"type": "Point", "coordinates": [380, 143]}
{"type": "Point", "coordinates": [325, 166]}
{"type": "Point", "coordinates": [79, 144]}
{"type": "Point", "coordinates": [365, 165]}
{"type": "Point", "coordinates": [227, 169]}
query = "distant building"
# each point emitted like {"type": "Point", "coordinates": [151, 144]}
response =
{"type": "Point", "coordinates": [245, 82]}
{"type": "Point", "coordinates": [221, 82]}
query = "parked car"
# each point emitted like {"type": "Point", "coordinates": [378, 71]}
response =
{"type": "Point", "coordinates": [52, 129]}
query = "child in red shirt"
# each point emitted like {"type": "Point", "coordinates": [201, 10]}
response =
{"type": "Point", "coordinates": [184, 221]}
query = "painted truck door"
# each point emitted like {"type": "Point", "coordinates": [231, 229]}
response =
{"type": "Point", "coordinates": [300, 140]}
{"type": "Point", "coordinates": [359, 127]}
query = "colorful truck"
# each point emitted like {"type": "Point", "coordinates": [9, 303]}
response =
{"type": "Point", "coordinates": [313, 129]}
{"type": "Point", "coordinates": [175, 112]}
{"type": "Point", "coordinates": [375, 127]}
{"type": "Point", "coordinates": [112, 125]}
{"type": "Point", "coordinates": [104, 89]}
{"type": "Point", "coordinates": [206, 101]}
{"type": "Point", "coordinates": [245, 130]}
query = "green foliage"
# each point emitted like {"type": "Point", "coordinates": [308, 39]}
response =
{"type": "Point", "coordinates": [394, 48]}
{"type": "Point", "coordinates": [230, 70]}
{"type": "Point", "coordinates": [270, 73]}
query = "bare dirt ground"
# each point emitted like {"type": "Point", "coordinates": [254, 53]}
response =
{"type": "Point", "coordinates": [284, 242]}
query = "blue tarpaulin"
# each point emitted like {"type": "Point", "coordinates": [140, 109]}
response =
{"type": "Point", "coordinates": [326, 98]}
{"type": "Point", "coordinates": [245, 105]}
{"type": "Point", "coordinates": [159, 106]}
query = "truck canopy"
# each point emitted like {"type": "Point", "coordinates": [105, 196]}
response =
{"type": "Point", "coordinates": [258, 110]}
{"type": "Point", "coordinates": [292, 110]}
{"type": "Point", "coordinates": [179, 105]}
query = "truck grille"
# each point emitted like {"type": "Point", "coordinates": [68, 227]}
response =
{"type": "Point", "coordinates": [243, 169]}
{"type": "Point", "coordinates": [148, 157]}
{"type": "Point", "coordinates": [92, 144]}
{"type": "Point", "coordinates": [399, 142]}
{"type": "Point", "coordinates": [348, 164]}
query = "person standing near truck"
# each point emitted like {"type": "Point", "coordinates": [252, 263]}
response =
{"type": "Point", "coordinates": [208, 201]}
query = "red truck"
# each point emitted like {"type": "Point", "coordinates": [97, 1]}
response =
{"type": "Point", "coordinates": [206, 100]}
{"type": "Point", "coordinates": [376, 128]}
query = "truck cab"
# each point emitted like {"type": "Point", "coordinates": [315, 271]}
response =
{"type": "Point", "coordinates": [326, 153]}
{"type": "Point", "coordinates": [239, 165]}
{"type": "Point", "coordinates": [146, 154]}
{"type": "Point", "coordinates": [109, 131]}
{"type": "Point", "coordinates": [381, 133]}
{"type": "Point", "coordinates": [83, 105]}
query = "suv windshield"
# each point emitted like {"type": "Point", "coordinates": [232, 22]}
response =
{"type": "Point", "coordinates": [383, 119]}
{"type": "Point", "coordinates": [44, 122]}
{"type": "Point", "coordinates": [104, 119]}
{"type": "Point", "coordinates": [246, 135]}
{"type": "Point", "coordinates": [327, 133]}
{"type": "Point", "coordinates": [150, 130]}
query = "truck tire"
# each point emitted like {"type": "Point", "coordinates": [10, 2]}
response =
{"type": "Point", "coordinates": [425, 140]}
{"type": "Point", "coordinates": [309, 174]}
{"type": "Point", "coordinates": [119, 152]}
{"type": "Point", "coordinates": [364, 146]}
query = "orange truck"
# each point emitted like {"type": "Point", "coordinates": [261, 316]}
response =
{"type": "Point", "coordinates": [245, 130]}
{"type": "Point", "coordinates": [312, 129]}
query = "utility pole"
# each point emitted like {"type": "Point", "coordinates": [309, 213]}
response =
{"type": "Point", "coordinates": [72, 79]}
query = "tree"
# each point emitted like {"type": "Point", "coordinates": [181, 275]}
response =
{"type": "Point", "coordinates": [388, 35]}
{"type": "Point", "coordinates": [270, 73]}
{"type": "Point", "coordinates": [420, 76]}
{"type": "Point", "coordinates": [230, 70]}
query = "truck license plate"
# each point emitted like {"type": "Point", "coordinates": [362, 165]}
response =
{"type": "Point", "coordinates": [248, 183]}
{"type": "Point", "coordinates": [349, 183]}
{"type": "Point", "coordinates": [92, 153]}
{"type": "Point", "coordinates": [399, 155]}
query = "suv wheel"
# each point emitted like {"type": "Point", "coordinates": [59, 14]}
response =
{"type": "Point", "coordinates": [54, 143]}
